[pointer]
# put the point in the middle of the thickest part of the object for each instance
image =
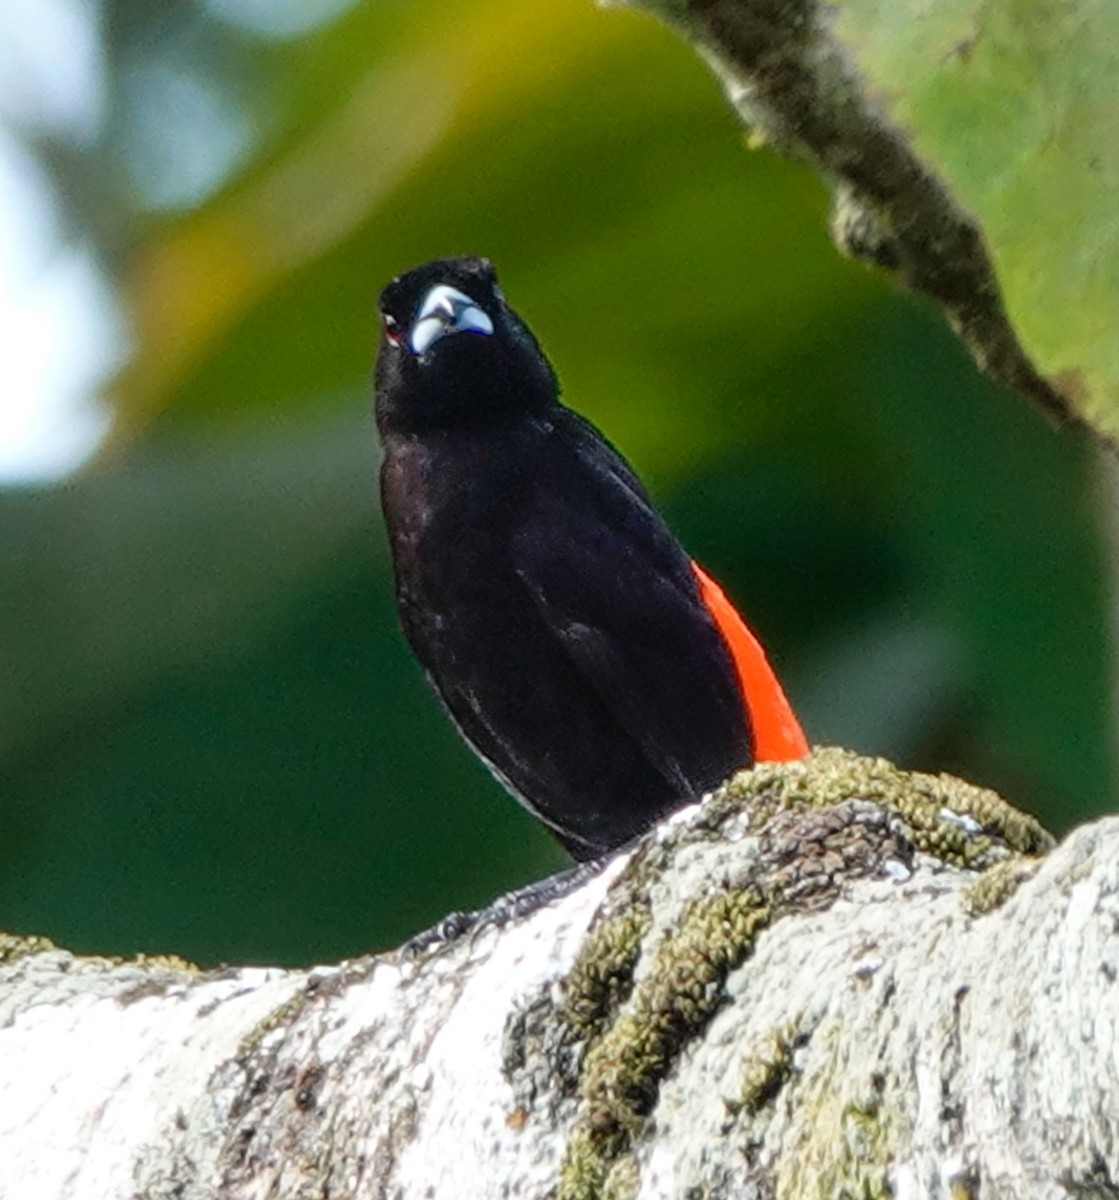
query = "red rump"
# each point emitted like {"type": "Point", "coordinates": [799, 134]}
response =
{"type": "Point", "coordinates": [778, 736]}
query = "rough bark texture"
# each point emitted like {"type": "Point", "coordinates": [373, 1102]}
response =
{"type": "Point", "coordinates": [832, 979]}
{"type": "Point", "coordinates": [796, 87]}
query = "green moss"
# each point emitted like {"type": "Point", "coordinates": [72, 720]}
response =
{"type": "Point", "coordinates": [957, 822]}
{"type": "Point", "coordinates": [860, 1170]}
{"type": "Point", "coordinates": [603, 973]}
{"type": "Point", "coordinates": [282, 1014]}
{"type": "Point", "coordinates": [166, 962]}
{"type": "Point", "coordinates": [766, 1070]}
{"type": "Point", "coordinates": [669, 1005]}
{"type": "Point", "coordinates": [963, 1187]}
{"type": "Point", "coordinates": [622, 1180]}
{"type": "Point", "coordinates": [13, 947]}
{"type": "Point", "coordinates": [994, 887]}
{"type": "Point", "coordinates": [634, 1022]}
{"type": "Point", "coordinates": [846, 1144]}
{"type": "Point", "coordinates": [586, 1163]}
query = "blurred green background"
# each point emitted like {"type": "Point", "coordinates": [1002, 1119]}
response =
{"type": "Point", "coordinates": [212, 738]}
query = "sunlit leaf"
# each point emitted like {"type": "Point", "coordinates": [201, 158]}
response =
{"type": "Point", "coordinates": [1015, 106]}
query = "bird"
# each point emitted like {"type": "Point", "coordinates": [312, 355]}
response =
{"type": "Point", "coordinates": [603, 677]}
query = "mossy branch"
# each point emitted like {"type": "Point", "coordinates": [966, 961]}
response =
{"type": "Point", "coordinates": [833, 978]}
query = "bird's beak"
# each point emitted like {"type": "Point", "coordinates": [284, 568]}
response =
{"type": "Point", "coordinates": [445, 310]}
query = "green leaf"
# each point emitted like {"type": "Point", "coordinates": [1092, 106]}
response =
{"type": "Point", "coordinates": [1014, 105]}
{"type": "Point", "coordinates": [974, 150]}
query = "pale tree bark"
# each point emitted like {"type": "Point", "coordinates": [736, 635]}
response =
{"type": "Point", "coordinates": [832, 979]}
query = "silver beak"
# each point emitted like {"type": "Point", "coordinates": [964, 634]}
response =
{"type": "Point", "coordinates": [445, 310]}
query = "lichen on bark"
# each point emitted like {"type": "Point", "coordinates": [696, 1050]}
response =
{"type": "Point", "coordinates": [812, 984]}
{"type": "Point", "coordinates": [652, 970]}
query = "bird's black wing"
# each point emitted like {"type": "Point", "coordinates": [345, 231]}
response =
{"type": "Point", "coordinates": [616, 590]}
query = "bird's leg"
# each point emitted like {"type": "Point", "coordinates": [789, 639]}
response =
{"type": "Point", "coordinates": [513, 906]}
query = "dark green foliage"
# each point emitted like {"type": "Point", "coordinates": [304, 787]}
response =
{"type": "Point", "coordinates": [212, 739]}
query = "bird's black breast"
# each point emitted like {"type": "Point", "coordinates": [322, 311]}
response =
{"type": "Point", "coordinates": [451, 503]}
{"type": "Point", "coordinates": [560, 624]}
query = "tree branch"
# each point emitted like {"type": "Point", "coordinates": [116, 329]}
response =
{"type": "Point", "coordinates": [832, 978]}
{"type": "Point", "coordinates": [795, 85]}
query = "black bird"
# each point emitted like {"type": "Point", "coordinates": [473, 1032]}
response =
{"type": "Point", "coordinates": [603, 678]}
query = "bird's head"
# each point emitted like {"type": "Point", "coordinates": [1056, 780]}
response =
{"type": "Point", "coordinates": [452, 350]}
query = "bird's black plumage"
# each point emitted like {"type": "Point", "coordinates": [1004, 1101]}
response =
{"type": "Point", "coordinates": [558, 619]}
